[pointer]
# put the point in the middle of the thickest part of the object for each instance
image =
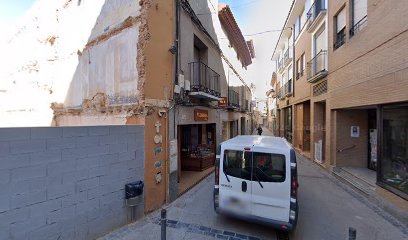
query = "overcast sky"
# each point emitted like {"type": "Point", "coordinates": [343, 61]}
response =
{"type": "Point", "coordinates": [257, 16]}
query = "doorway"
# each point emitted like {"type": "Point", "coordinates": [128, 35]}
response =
{"type": "Point", "coordinates": [197, 144]}
{"type": "Point", "coordinates": [319, 139]}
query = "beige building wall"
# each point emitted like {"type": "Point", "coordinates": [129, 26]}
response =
{"type": "Point", "coordinates": [371, 67]}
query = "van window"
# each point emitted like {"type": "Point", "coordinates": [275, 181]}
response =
{"type": "Point", "coordinates": [237, 164]}
{"type": "Point", "coordinates": [269, 167]}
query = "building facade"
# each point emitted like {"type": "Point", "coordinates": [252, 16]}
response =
{"type": "Point", "coordinates": [342, 87]}
{"type": "Point", "coordinates": [211, 99]}
{"type": "Point", "coordinates": [171, 66]}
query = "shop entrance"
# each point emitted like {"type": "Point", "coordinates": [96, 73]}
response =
{"type": "Point", "coordinates": [197, 144]}
{"type": "Point", "coordinates": [302, 131]}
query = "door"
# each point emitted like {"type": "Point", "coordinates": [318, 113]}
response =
{"type": "Point", "coordinates": [271, 184]}
{"type": "Point", "coordinates": [235, 181]}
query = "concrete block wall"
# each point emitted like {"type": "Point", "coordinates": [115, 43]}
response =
{"type": "Point", "coordinates": [67, 182]}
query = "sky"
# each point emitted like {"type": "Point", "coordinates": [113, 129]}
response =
{"type": "Point", "coordinates": [10, 10]}
{"type": "Point", "coordinates": [255, 17]}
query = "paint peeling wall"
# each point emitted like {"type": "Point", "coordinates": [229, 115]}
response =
{"type": "Point", "coordinates": [65, 51]}
{"type": "Point", "coordinates": [110, 68]}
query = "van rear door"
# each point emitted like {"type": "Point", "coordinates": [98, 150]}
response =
{"type": "Point", "coordinates": [235, 181]}
{"type": "Point", "coordinates": [270, 184]}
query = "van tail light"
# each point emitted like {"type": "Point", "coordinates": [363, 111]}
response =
{"type": "Point", "coordinates": [293, 188]}
{"type": "Point", "coordinates": [217, 175]}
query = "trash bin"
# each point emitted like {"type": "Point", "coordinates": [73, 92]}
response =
{"type": "Point", "coordinates": [134, 192]}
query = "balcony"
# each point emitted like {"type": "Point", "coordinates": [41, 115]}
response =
{"type": "Point", "coordinates": [358, 26]}
{"type": "Point", "coordinates": [287, 57]}
{"type": "Point", "coordinates": [233, 99]}
{"type": "Point", "coordinates": [315, 14]}
{"type": "Point", "coordinates": [286, 90]}
{"type": "Point", "coordinates": [205, 82]}
{"type": "Point", "coordinates": [340, 39]}
{"type": "Point", "coordinates": [317, 67]}
{"type": "Point", "coordinates": [280, 65]}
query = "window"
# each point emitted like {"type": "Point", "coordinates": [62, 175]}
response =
{"type": "Point", "coordinates": [237, 164]}
{"type": "Point", "coordinates": [303, 64]}
{"type": "Point", "coordinates": [340, 34]}
{"type": "Point", "coordinates": [263, 167]}
{"type": "Point", "coordinates": [359, 15]}
{"type": "Point", "coordinates": [394, 160]}
{"type": "Point", "coordinates": [298, 68]}
{"type": "Point", "coordinates": [320, 41]}
{"type": "Point", "coordinates": [290, 73]}
{"type": "Point", "coordinates": [269, 167]}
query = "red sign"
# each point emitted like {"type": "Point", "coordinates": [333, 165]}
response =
{"type": "Point", "coordinates": [223, 102]}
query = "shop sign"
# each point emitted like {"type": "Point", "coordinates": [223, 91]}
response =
{"type": "Point", "coordinates": [223, 102]}
{"type": "Point", "coordinates": [200, 115]}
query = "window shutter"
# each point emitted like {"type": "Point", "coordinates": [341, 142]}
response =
{"type": "Point", "coordinates": [359, 10]}
{"type": "Point", "coordinates": [341, 20]}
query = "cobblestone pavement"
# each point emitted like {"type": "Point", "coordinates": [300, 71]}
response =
{"type": "Point", "coordinates": [327, 209]}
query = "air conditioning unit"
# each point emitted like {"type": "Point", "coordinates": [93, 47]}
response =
{"type": "Point", "coordinates": [187, 85]}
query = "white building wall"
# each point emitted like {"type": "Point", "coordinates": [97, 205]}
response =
{"type": "Point", "coordinates": [44, 60]}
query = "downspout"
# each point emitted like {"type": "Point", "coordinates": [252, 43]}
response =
{"type": "Point", "coordinates": [293, 61]}
{"type": "Point", "coordinates": [176, 71]}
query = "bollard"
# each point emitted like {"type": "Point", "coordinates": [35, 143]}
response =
{"type": "Point", "coordinates": [163, 224]}
{"type": "Point", "coordinates": [352, 233]}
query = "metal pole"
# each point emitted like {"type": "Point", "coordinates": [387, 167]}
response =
{"type": "Point", "coordinates": [352, 233]}
{"type": "Point", "coordinates": [163, 224]}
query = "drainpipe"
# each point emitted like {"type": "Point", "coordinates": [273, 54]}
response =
{"type": "Point", "coordinates": [293, 61]}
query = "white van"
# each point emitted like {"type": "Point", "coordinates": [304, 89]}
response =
{"type": "Point", "coordinates": [256, 180]}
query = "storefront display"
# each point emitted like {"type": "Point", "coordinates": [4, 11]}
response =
{"type": "Point", "coordinates": [394, 162]}
{"type": "Point", "coordinates": [199, 158]}
{"type": "Point", "coordinates": [197, 147]}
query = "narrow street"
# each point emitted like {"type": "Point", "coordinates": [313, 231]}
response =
{"type": "Point", "coordinates": [327, 209]}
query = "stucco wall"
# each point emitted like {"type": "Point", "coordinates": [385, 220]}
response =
{"type": "Point", "coordinates": [67, 183]}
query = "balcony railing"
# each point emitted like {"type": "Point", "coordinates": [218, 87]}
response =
{"type": "Point", "coordinates": [233, 99]}
{"type": "Point", "coordinates": [358, 26]}
{"type": "Point", "coordinates": [280, 64]}
{"type": "Point", "coordinates": [204, 80]}
{"type": "Point", "coordinates": [316, 68]}
{"type": "Point", "coordinates": [288, 88]}
{"type": "Point", "coordinates": [340, 39]}
{"type": "Point", "coordinates": [319, 6]}
{"type": "Point", "coordinates": [287, 56]}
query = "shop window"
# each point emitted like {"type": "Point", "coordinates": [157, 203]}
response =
{"type": "Point", "coordinates": [394, 161]}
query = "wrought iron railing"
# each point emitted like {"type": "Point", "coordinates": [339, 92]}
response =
{"type": "Point", "coordinates": [317, 7]}
{"type": "Point", "coordinates": [340, 39]}
{"type": "Point", "coordinates": [358, 26]}
{"type": "Point", "coordinates": [286, 56]}
{"type": "Point", "coordinates": [204, 79]}
{"type": "Point", "coordinates": [288, 87]}
{"type": "Point", "coordinates": [233, 98]}
{"type": "Point", "coordinates": [317, 64]}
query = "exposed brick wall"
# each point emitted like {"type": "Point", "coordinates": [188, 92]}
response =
{"type": "Point", "coordinates": [67, 182]}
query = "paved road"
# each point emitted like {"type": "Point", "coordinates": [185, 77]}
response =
{"type": "Point", "coordinates": [327, 209]}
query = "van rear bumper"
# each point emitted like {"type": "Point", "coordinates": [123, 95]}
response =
{"type": "Point", "coordinates": [285, 226]}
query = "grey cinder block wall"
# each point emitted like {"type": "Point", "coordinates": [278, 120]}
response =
{"type": "Point", "coordinates": [68, 182]}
